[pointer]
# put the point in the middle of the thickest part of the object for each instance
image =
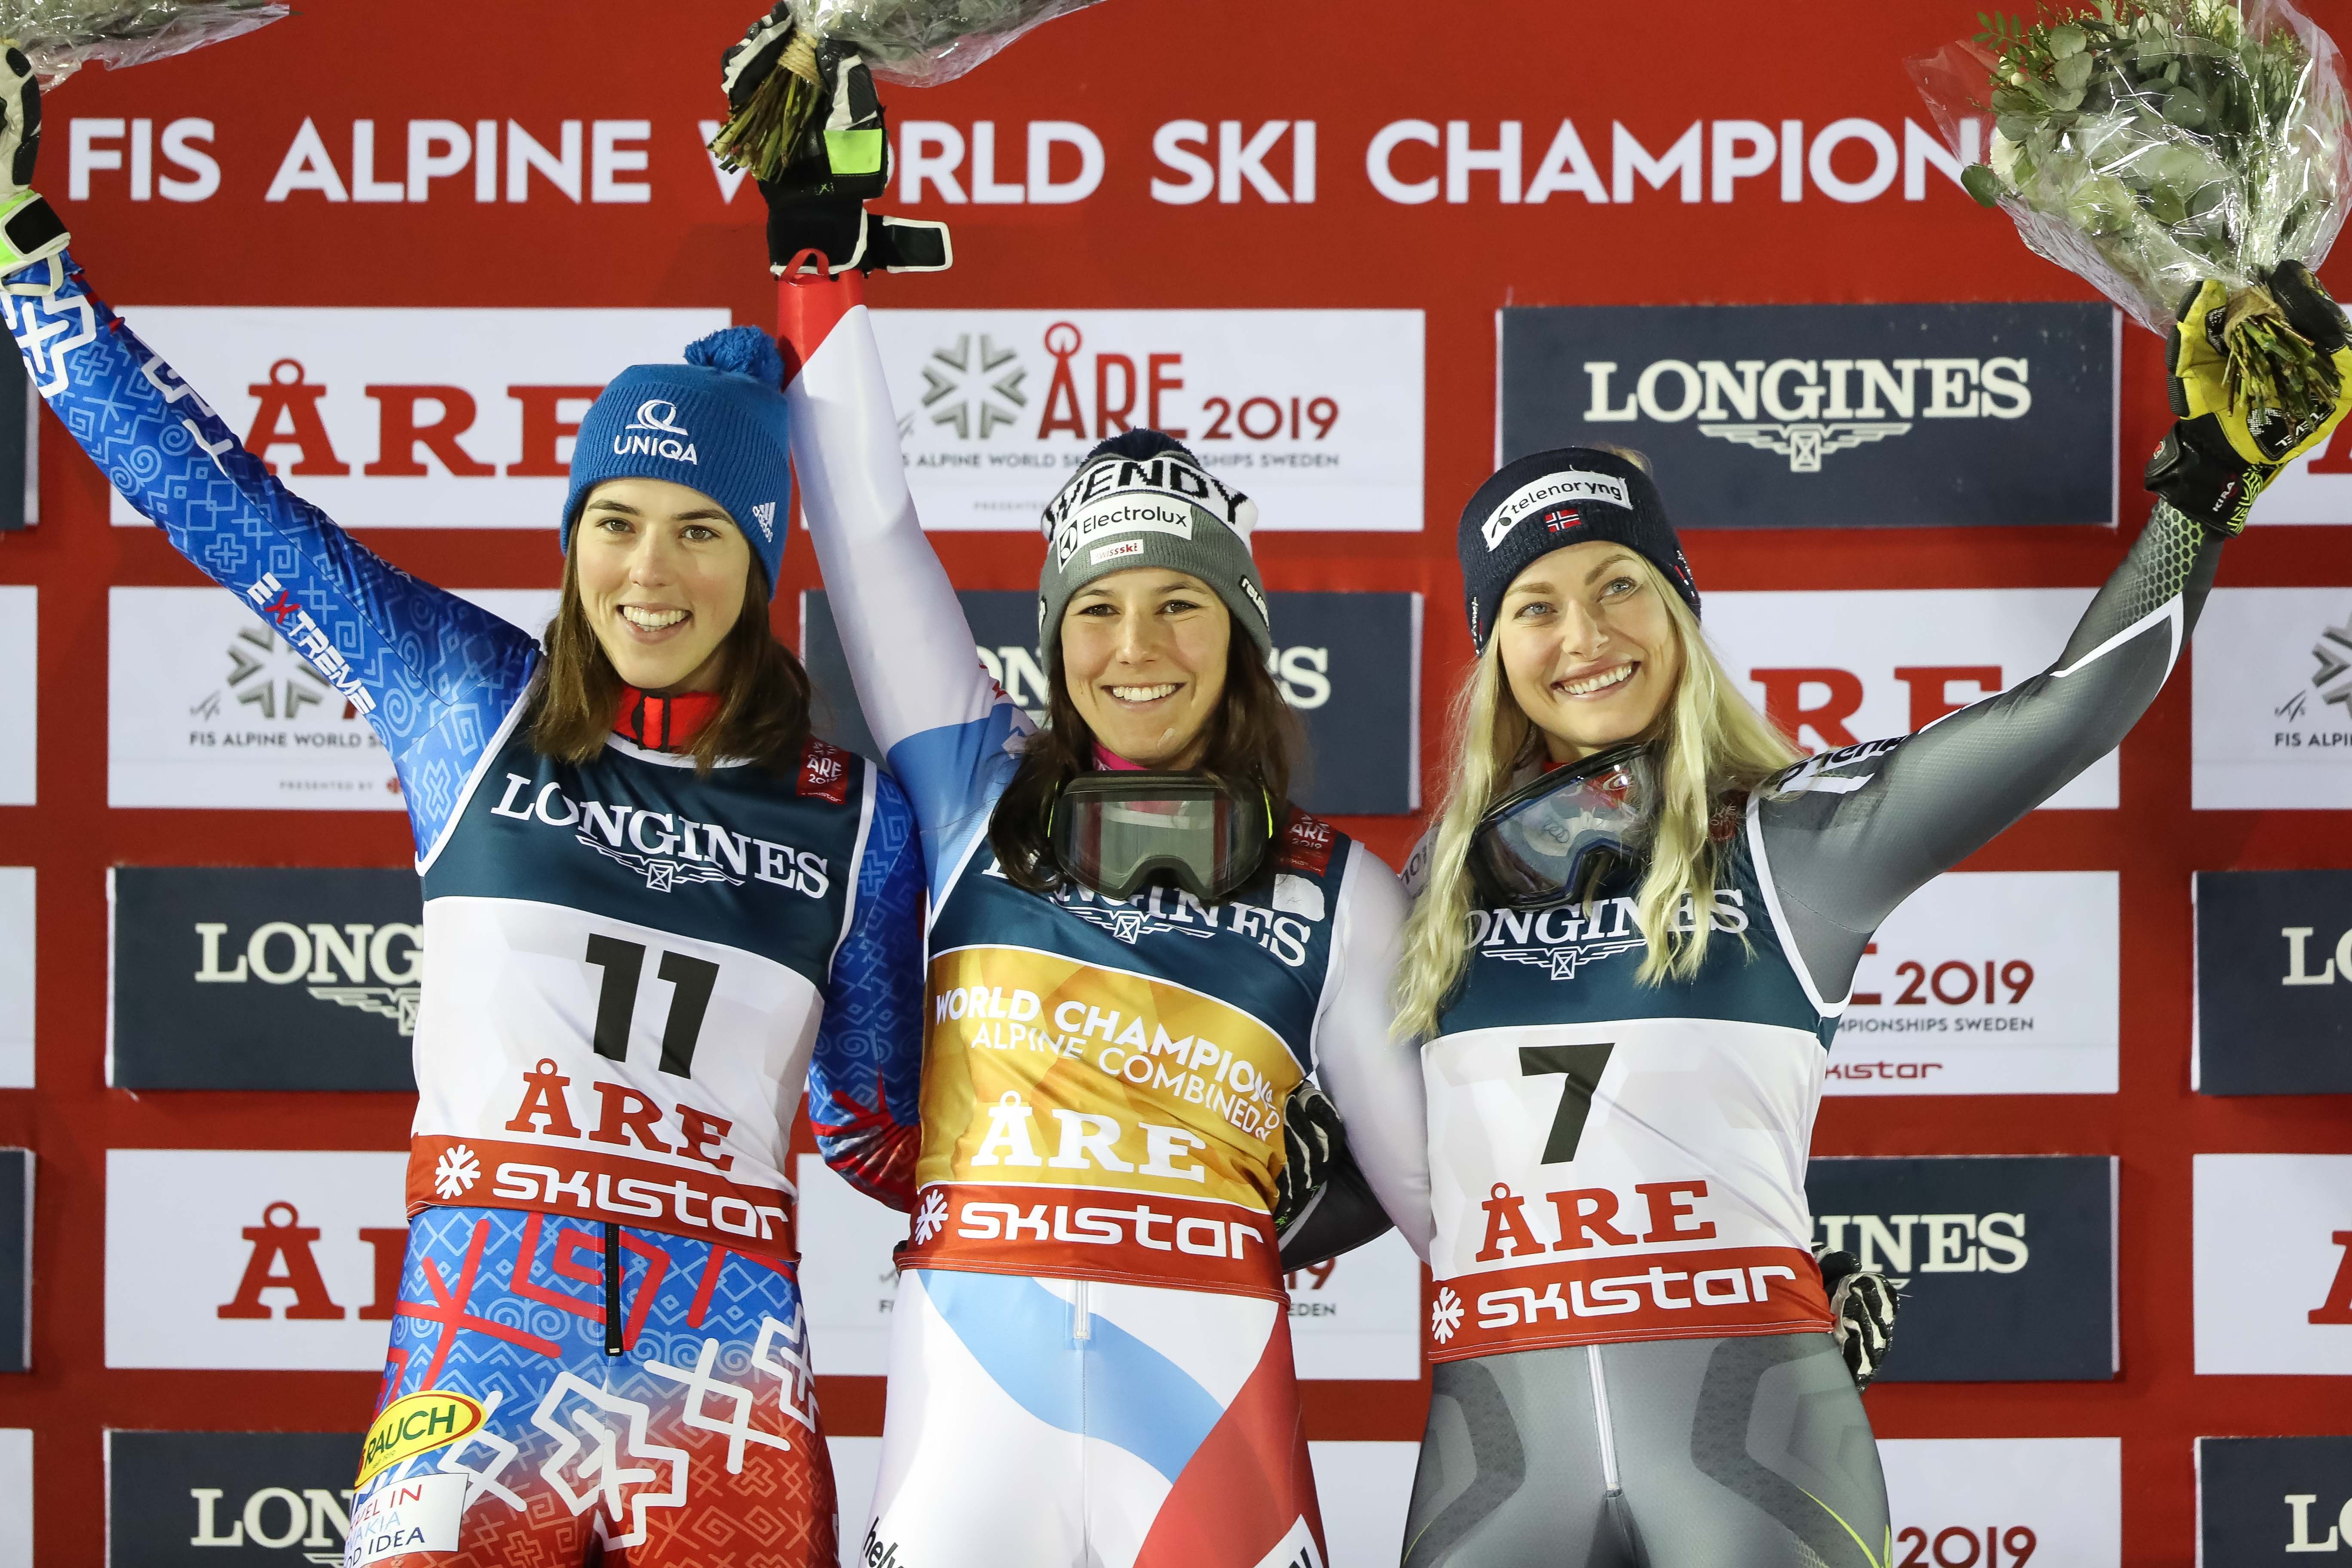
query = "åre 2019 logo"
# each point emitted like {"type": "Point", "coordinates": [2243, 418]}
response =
{"type": "Point", "coordinates": [1814, 416]}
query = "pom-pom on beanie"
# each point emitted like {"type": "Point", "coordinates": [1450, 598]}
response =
{"type": "Point", "coordinates": [718, 424]}
{"type": "Point", "coordinates": [1143, 499]}
{"type": "Point", "coordinates": [1549, 500]}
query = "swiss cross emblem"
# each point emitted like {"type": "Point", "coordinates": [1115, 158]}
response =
{"type": "Point", "coordinates": [824, 773]}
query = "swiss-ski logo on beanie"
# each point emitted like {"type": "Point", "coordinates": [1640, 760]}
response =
{"type": "Point", "coordinates": [1161, 494]}
{"type": "Point", "coordinates": [1552, 490]}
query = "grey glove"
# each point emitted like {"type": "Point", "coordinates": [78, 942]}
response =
{"type": "Point", "coordinates": [30, 229]}
{"type": "Point", "coordinates": [1863, 1306]}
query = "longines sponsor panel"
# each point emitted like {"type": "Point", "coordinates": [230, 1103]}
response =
{"type": "Point", "coordinates": [226, 1498]}
{"type": "Point", "coordinates": [1999, 1502]}
{"type": "Point", "coordinates": [1814, 416]}
{"type": "Point", "coordinates": [1839, 668]}
{"type": "Point", "coordinates": [16, 1259]}
{"type": "Point", "coordinates": [412, 418]}
{"type": "Point", "coordinates": [2272, 701]}
{"type": "Point", "coordinates": [2272, 1250]}
{"type": "Point", "coordinates": [247, 977]}
{"type": "Point", "coordinates": [1356, 1317]}
{"type": "Point", "coordinates": [2268, 1500]}
{"type": "Point", "coordinates": [1987, 982]}
{"type": "Point", "coordinates": [252, 1259]}
{"type": "Point", "coordinates": [1350, 665]}
{"type": "Point", "coordinates": [207, 706]}
{"type": "Point", "coordinates": [2273, 982]}
{"type": "Point", "coordinates": [2006, 1264]}
{"type": "Point", "coordinates": [1316, 415]}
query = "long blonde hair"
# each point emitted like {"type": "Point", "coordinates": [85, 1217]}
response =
{"type": "Point", "coordinates": [1709, 740]}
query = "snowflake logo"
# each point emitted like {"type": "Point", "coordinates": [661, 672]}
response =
{"type": "Point", "coordinates": [456, 1171]}
{"type": "Point", "coordinates": [1446, 1314]}
{"type": "Point", "coordinates": [932, 1217]}
{"type": "Point", "coordinates": [965, 389]}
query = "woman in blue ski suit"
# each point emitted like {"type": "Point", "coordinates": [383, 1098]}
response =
{"type": "Point", "coordinates": [654, 906]}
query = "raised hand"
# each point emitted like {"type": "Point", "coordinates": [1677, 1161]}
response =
{"type": "Point", "coordinates": [30, 229]}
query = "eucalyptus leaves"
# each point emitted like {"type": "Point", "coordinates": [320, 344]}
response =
{"type": "Point", "coordinates": [2149, 144]}
{"type": "Point", "coordinates": [59, 37]}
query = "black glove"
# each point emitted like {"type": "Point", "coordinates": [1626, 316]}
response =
{"type": "Point", "coordinates": [816, 202]}
{"type": "Point", "coordinates": [2216, 460]}
{"type": "Point", "coordinates": [1313, 1140]}
{"type": "Point", "coordinates": [1863, 1306]}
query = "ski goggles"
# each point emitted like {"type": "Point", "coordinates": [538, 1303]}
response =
{"type": "Point", "coordinates": [1114, 832]}
{"type": "Point", "coordinates": [1551, 838]}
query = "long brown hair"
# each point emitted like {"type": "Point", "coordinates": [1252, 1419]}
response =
{"type": "Point", "coordinates": [1252, 737]}
{"type": "Point", "coordinates": [575, 692]}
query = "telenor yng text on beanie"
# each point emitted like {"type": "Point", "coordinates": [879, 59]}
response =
{"type": "Point", "coordinates": [1141, 499]}
{"type": "Point", "coordinates": [1549, 500]}
{"type": "Point", "coordinates": [718, 424]}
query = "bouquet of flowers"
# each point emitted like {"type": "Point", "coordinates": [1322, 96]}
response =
{"type": "Point", "coordinates": [919, 42]}
{"type": "Point", "coordinates": [2147, 145]}
{"type": "Point", "coordinates": [60, 36]}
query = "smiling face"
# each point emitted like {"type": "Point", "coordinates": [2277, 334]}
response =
{"type": "Point", "coordinates": [663, 573]}
{"type": "Point", "coordinates": [1143, 655]}
{"type": "Point", "coordinates": [1588, 647]}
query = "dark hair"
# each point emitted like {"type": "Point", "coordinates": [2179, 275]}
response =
{"type": "Point", "coordinates": [575, 692]}
{"type": "Point", "coordinates": [1253, 737]}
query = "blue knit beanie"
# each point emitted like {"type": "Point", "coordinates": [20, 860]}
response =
{"type": "Point", "coordinates": [718, 424]}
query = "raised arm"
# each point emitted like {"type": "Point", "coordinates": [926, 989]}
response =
{"type": "Point", "coordinates": [942, 722]}
{"type": "Point", "coordinates": [1371, 1077]}
{"type": "Point", "coordinates": [865, 1077]}
{"type": "Point", "coordinates": [1846, 837]}
{"type": "Point", "coordinates": [434, 676]}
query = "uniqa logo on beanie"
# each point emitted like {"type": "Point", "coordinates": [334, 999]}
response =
{"type": "Point", "coordinates": [655, 432]}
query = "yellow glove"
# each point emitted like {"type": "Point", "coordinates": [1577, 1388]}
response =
{"type": "Point", "coordinates": [2217, 459]}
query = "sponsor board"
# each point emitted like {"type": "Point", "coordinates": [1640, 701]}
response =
{"type": "Point", "coordinates": [19, 941]}
{"type": "Point", "coordinates": [16, 1259]}
{"type": "Point", "coordinates": [1998, 1502]}
{"type": "Point", "coordinates": [1838, 668]}
{"type": "Point", "coordinates": [1315, 415]}
{"type": "Point", "coordinates": [2272, 1245]}
{"type": "Point", "coordinates": [2273, 982]}
{"type": "Point", "coordinates": [16, 1497]}
{"type": "Point", "coordinates": [208, 707]}
{"type": "Point", "coordinates": [264, 977]}
{"type": "Point", "coordinates": [2261, 1501]}
{"type": "Point", "coordinates": [253, 1260]}
{"type": "Point", "coordinates": [1987, 983]}
{"type": "Point", "coordinates": [2006, 1263]}
{"type": "Point", "coordinates": [1363, 1488]}
{"type": "Point", "coordinates": [20, 642]}
{"type": "Point", "coordinates": [226, 1498]}
{"type": "Point", "coordinates": [412, 418]}
{"type": "Point", "coordinates": [2271, 703]}
{"type": "Point", "coordinates": [1354, 1318]}
{"type": "Point", "coordinates": [1350, 665]}
{"type": "Point", "coordinates": [1831, 415]}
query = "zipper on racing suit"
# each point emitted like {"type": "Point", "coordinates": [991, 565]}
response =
{"type": "Point", "coordinates": [612, 1346]}
{"type": "Point", "coordinates": [1613, 1496]}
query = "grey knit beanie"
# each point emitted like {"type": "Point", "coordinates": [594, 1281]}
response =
{"type": "Point", "coordinates": [1140, 499]}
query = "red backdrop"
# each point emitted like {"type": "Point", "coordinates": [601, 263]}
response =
{"type": "Point", "coordinates": [1124, 69]}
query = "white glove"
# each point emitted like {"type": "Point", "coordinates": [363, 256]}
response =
{"type": "Point", "coordinates": [30, 229]}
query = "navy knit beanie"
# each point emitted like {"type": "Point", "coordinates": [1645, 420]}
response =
{"type": "Point", "coordinates": [718, 424]}
{"type": "Point", "coordinates": [1549, 500]}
